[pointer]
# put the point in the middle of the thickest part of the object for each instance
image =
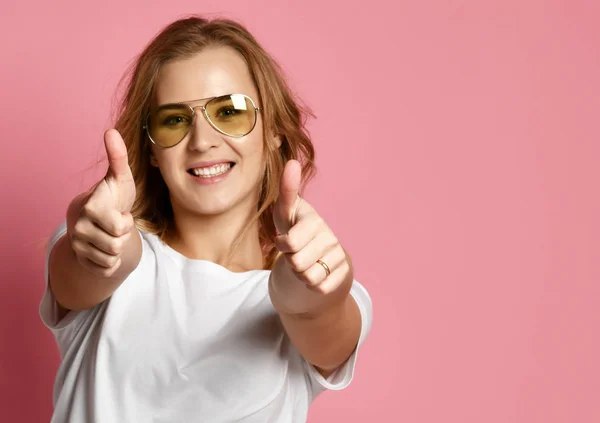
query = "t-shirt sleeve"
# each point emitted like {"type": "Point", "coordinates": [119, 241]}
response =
{"type": "Point", "coordinates": [65, 328]}
{"type": "Point", "coordinates": [342, 377]}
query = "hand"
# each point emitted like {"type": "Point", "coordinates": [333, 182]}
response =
{"type": "Point", "coordinates": [305, 238]}
{"type": "Point", "coordinates": [99, 228]}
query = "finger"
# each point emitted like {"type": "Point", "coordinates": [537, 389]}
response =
{"type": "Point", "coordinates": [333, 281]}
{"type": "Point", "coordinates": [101, 258]}
{"type": "Point", "coordinates": [116, 151]}
{"type": "Point", "coordinates": [88, 231]}
{"type": "Point", "coordinates": [93, 254]}
{"type": "Point", "coordinates": [315, 250]}
{"type": "Point", "coordinates": [111, 245]}
{"type": "Point", "coordinates": [109, 219]}
{"type": "Point", "coordinates": [105, 272]}
{"type": "Point", "coordinates": [299, 235]}
{"type": "Point", "coordinates": [317, 274]}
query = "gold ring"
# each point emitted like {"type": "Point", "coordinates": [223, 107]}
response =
{"type": "Point", "coordinates": [327, 269]}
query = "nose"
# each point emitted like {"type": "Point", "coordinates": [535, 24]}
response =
{"type": "Point", "coordinates": [203, 136]}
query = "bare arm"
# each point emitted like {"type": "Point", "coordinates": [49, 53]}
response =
{"type": "Point", "coordinates": [76, 287]}
{"type": "Point", "coordinates": [311, 280]}
{"type": "Point", "coordinates": [102, 246]}
{"type": "Point", "coordinates": [326, 340]}
{"type": "Point", "coordinates": [328, 333]}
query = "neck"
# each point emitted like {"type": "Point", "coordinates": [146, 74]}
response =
{"type": "Point", "coordinates": [211, 238]}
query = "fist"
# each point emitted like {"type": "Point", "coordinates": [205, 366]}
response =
{"type": "Point", "coordinates": [309, 246]}
{"type": "Point", "coordinates": [99, 228]}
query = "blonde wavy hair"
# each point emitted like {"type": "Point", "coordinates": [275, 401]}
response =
{"type": "Point", "coordinates": [282, 115]}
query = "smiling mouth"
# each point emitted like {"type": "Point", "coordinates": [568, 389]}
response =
{"type": "Point", "coordinates": [211, 171]}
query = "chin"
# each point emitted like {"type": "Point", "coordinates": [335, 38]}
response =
{"type": "Point", "coordinates": [210, 210]}
{"type": "Point", "coordinates": [217, 199]}
{"type": "Point", "coordinates": [215, 204]}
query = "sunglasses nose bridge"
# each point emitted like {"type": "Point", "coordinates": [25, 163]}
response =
{"type": "Point", "coordinates": [204, 112]}
{"type": "Point", "coordinates": [194, 113]}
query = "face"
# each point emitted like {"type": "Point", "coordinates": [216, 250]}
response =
{"type": "Point", "coordinates": [209, 173]}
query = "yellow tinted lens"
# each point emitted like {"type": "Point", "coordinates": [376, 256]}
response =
{"type": "Point", "coordinates": [232, 114]}
{"type": "Point", "coordinates": [169, 124]}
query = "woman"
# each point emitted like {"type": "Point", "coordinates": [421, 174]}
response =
{"type": "Point", "coordinates": [193, 283]}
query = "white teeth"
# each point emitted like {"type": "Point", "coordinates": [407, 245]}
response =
{"type": "Point", "coordinates": [208, 172]}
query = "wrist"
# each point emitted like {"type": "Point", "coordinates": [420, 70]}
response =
{"type": "Point", "coordinates": [307, 304]}
{"type": "Point", "coordinates": [323, 313]}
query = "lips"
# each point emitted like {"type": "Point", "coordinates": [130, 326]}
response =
{"type": "Point", "coordinates": [207, 163]}
{"type": "Point", "coordinates": [211, 171]}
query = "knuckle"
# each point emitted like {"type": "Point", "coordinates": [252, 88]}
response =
{"type": "Point", "coordinates": [105, 272]}
{"type": "Point", "coordinates": [105, 261]}
{"type": "Point", "coordinates": [115, 228]}
{"type": "Point", "coordinates": [334, 241]}
{"type": "Point", "coordinates": [293, 244]}
{"type": "Point", "coordinates": [296, 262]}
{"type": "Point", "coordinates": [310, 278]}
{"type": "Point", "coordinates": [79, 227]}
{"type": "Point", "coordinates": [319, 222]}
{"type": "Point", "coordinates": [115, 246]}
{"type": "Point", "coordinates": [88, 209]}
{"type": "Point", "coordinates": [110, 263]}
{"type": "Point", "coordinates": [119, 228]}
{"type": "Point", "coordinates": [129, 222]}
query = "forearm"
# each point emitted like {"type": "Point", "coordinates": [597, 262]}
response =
{"type": "Point", "coordinates": [310, 284]}
{"type": "Point", "coordinates": [327, 332]}
{"type": "Point", "coordinates": [74, 286]}
{"type": "Point", "coordinates": [325, 339]}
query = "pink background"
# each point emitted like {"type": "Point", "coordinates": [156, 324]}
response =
{"type": "Point", "coordinates": [458, 150]}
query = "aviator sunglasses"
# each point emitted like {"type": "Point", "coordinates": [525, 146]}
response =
{"type": "Point", "coordinates": [233, 115]}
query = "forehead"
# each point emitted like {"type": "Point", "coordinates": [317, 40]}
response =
{"type": "Point", "coordinates": [210, 73]}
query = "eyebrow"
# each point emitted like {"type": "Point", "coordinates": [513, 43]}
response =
{"type": "Point", "coordinates": [168, 106]}
{"type": "Point", "coordinates": [193, 101]}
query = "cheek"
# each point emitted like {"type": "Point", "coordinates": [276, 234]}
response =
{"type": "Point", "coordinates": [165, 160]}
{"type": "Point", "coordinates": [253, 164]}
{"type": "Point", "coordinates": [251, 151]}
{"type": "Point", "coordinates": [259, 162]}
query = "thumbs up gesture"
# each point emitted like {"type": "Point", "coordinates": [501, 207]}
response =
{"type": "Point", "coordinates": [312, 255]}
{"type": "Point", "coordinates": [99, 224]}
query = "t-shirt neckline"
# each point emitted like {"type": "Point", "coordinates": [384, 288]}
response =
{"type": "Point", "coordinates": [181, 259]}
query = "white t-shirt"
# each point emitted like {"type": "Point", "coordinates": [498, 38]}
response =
{"type": "Point", "coordinates": [182, 341]}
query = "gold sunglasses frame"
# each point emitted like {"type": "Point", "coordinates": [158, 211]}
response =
{"type": "Point", "coordinates": [188, 104]}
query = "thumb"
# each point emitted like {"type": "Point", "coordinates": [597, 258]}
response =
{"type": "Point", "coordinates": [116, 151]}
{"type": "Point", "coordinates": [289, 186]}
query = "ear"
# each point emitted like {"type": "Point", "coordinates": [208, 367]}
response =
{"type": "Point", "coordinates": [278, 140]}
{"type": "Point", "coordinates": [153, 160]}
